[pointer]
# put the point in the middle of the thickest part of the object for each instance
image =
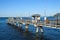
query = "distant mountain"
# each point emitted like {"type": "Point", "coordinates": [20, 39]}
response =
{"type": "Point", "coordinates": [29, 18]}
{"type": "Point", "coordinates": [51, 18]}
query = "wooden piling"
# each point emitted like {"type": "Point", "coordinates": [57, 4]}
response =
{"type": "Point", "coordinates": [36, 29]}
{"type": "Point", "coordinates": [20, 25]}
{"type": "Point", "coordinates": [41, 29]}
{"type": "Point", "coordinates": [27, 23]}
{"type": "Point", "coordinates": [26, 27]}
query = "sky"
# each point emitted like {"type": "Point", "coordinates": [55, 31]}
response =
{"type": "Point", "coordinates": [26, 8]}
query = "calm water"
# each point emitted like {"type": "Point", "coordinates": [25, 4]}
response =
{"type": "Point", "coordinates": [8, 32]}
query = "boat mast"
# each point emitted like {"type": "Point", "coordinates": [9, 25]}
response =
{"type": "Point", "coordinates": [45, 16]}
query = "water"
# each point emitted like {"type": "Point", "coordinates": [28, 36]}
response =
{"type": "Point", "coordinates": [8, 32]}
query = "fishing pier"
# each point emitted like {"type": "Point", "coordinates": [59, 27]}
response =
{"type": "Point", "coordinates": [18, 21]}
{"type": "Point", "coordinates": [38, 24]}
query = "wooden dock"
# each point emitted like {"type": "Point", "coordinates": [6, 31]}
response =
{"type": "Point", "coordinates": [19, 22]}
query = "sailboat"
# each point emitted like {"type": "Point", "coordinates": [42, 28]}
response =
{"type": "Point", "coordinates": [47, 23]}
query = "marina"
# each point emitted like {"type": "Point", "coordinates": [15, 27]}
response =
{"type": "Point", "coordinates": [29, 19]}
{"type": "Point", "coordinates": [36, 23]}
{"type": "Point", "coordinates": [10, 32]}
{"type": "Point", "coordinates": [19, 22]}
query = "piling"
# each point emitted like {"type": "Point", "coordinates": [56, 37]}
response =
{"type": "Point", "coordinates": [36, 29]}
{"type": "Point", "coordinates": [19, 25]}
{"type": "Point", "coordinates": [27, 24]}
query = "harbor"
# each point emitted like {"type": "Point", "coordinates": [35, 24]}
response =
{"type": "Point", "coordinates": [37, 26]}
{"type": "Point", "coordinates": [10, 32]}
{"type": "Point", "coordinates": [19, 22]}
{"type": "Point", "coordinates": [29, 19]}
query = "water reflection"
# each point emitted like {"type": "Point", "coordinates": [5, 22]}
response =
{"type": "Point", "coordinates": [30, 36]}
{"type": "Point", "coordinates": [39, 36]}
{"type": "Point", "coordinates": [27, 35]}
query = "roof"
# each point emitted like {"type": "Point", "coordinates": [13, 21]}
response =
{"type": "Point", "coordinates": [36, 15]}
{"type": "Point", "coordinates": [57, 14]}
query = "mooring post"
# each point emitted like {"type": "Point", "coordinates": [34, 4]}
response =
{"type": "Point", "coordinates": [40, 25]}
{"type": "Point", "coordinates": [35, 24]}
{"type": "Point", "coordinates": [36, 29]}
{"type": "Point", "coordinates": [26, 27]}
{"type": "Point", "coordinates": [20, 25]}
{"type": "Point", "coordinates": [41, 29]}
{"type": "Point", "coordinates": [27, 23]}
{"type": "Point", "coordinates": [14, 23]}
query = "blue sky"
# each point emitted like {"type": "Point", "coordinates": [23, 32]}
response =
{"type": "Point", "coordinates": [28, 7]}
